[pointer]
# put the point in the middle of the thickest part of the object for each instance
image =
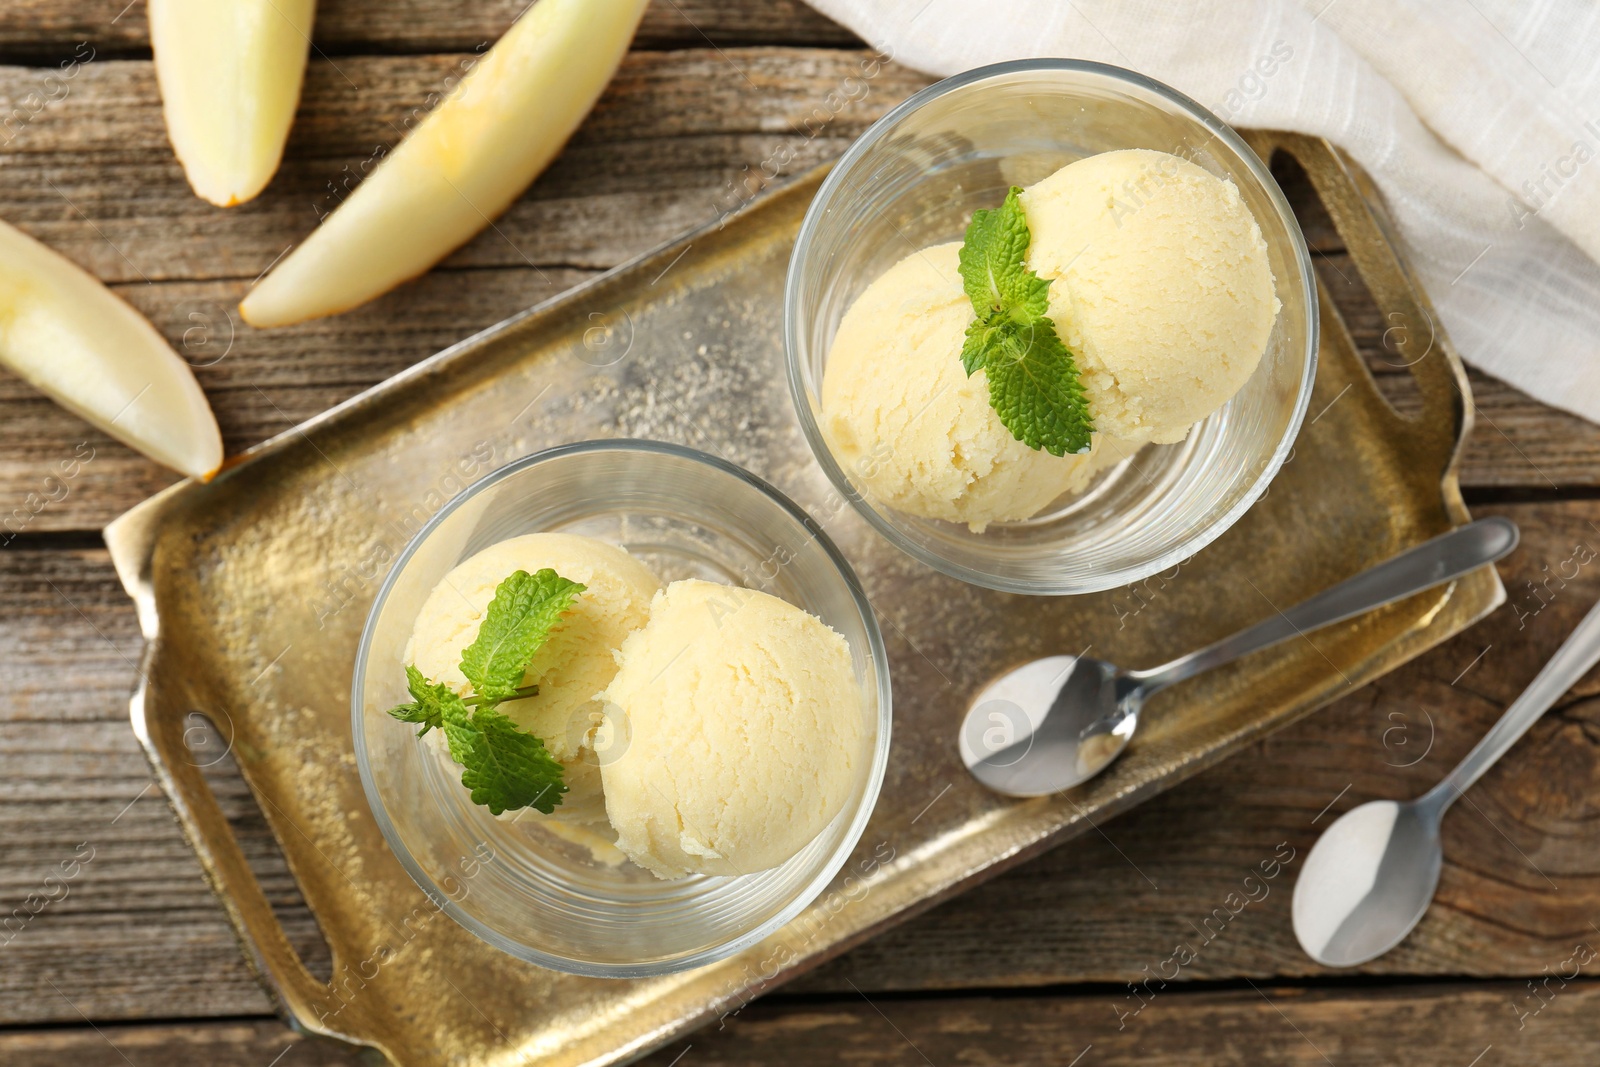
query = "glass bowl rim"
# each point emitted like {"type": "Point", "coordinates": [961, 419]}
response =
{"type": "Point", "coordinates": [823, 453]}
{"type": "Point", "coordinates": [876, 650]}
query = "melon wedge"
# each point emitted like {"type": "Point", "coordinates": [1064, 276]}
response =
{"type": "Point", "coordinates": [463, 165]}
{"type": "Point", "coordinates": [69, 336]}
{"type": "Point", "coordinates": [230, 74]}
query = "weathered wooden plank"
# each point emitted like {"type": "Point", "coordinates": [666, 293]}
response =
{"type": "Point", "coordinates": [1521, 444]}
{"type": "Point", "coordinates": [139, 935]}
{"type": "Point", "coordinates": [92, 176]}
{"type": "Point", "coordinates": [91, 173]}
{"type": "Point", "coordinates": [230, 1044]}
{"type": "Point", "coordinates": [1452, 1024]}
{"type": "Point", "coordinates": [77, 806]}
{"type": "Point", "coordinates": [44, 30]}
{"type": "Point", "coordinates": [57, 473]}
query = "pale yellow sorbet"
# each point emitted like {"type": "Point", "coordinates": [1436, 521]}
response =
{"type": "Point", "coordinates": [1159, 283]}
{"type": "Point", "coordinates": [910, 427]}
{"type": "Point", "coordinates": [737, 732]}
{"type": "Point", "coordinates": [575, 663]}
{"type": "Point", "coordinates": [1160, 286]}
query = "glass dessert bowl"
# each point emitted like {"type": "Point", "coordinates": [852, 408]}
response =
{"type": "Point", "coordinates": [559, 894]}
{"type": "Point", "coordinates": [888, 213]}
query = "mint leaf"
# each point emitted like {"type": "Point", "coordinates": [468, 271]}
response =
{"type": "Point", "coordinates": [975, 349]}
{"type": "Point", "coordinates": [428, 702]}
{"type": "Point", "coordinates": [1034, 384]}
{"type": "Point", "coordinates": [524, 608]}
{"type": "Point", "coordinates": [504, 768]}
{"type": "Point", "coordinates": [993, 262]}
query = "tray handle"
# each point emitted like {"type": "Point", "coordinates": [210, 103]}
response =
{"type": "Point", "coordinates": [1356, 207]}
{"type": "Point", "coordinates": [304, 1000]}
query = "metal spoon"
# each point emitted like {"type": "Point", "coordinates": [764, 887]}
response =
{"type": "Point", "coordinates": [1371, 876]}
{"type": "Point", "coordinates": [1059, 721]}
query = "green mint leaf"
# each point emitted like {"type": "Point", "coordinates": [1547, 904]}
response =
{"type": "Point", "coordinates": [992, 258]}
{"type": "Point", "coordinates": [428, 702]}
{"type": "Point", "coordinates": [504, 768]}
{"type": "Point", "coordinates": [975, 349]}
{"type": "Point", "coordinates": [524, 608]}
{"type": "Point", "coordinates": [1034, 384]}
{"type": "Point", "coordinates": [1034, 388]}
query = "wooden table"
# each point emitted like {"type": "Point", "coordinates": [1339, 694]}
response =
{"type": "Point", "coordinates": [136, 964]}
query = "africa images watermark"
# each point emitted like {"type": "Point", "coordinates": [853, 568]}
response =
{"type": "Point", "coordinates": [1554, 176]}
{"type": "Point", "coordinates": [1540, 993]}
{"type": "Point", "coordinates": [345, 182]}
{"type": "Point", "coordinates": [1251, 85]}
{"type": "Point", "coordinates": [55, 887]}
{"type": "Point", "coordinates": [1253, 889]}
{"type": "Point", "coordinates": [346, 985]}
{"type": "Point", "coordinates": [1134, 598]}
{"type": "Point", "coordinates": [1540, 594]}
{"type": "Point", "coordinates": [53, 489]}
{"type": "Point", "coordinates": [1161, 168]}
{"type": "Point", "coordinates": [54, 89]}
{"type": "Point", "coordinates": [346, 583]}
{"type": "Point", "coordinates": [854, 886]}
{"type": "Point", "coordinates": [1158, 170]}
{"type": "Point", "coordinates": [748, 184]}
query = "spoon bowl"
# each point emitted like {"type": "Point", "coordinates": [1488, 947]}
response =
{"type": "Point", "coordinates": [1060, 714]}
{"type": "Point", "coordinates": [1368, 881]}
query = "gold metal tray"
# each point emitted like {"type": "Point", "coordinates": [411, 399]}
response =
{"type": "Point", "coordinates": [252, 591]}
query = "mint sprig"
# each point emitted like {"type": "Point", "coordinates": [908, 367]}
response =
{"type": "Point", "coordinates": [504, 768]}
{"type": "Point", "coordinates": [1033, 379]}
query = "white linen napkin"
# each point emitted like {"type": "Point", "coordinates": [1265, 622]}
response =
{"type": "Point", "coordinates": [1478, 119]}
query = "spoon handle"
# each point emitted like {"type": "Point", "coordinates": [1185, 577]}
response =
{"type": "Point", "coordinates": [1570, 663]}
{"type": "Point", "coordinates": [1445, 557]}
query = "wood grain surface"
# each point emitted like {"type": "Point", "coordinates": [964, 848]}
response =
{"type": "Point", "coordinates": [1034, 966]}
{"type": "Point", "coordinates": [1459, 1024]}
{"type": "Point", "coordinates": [44, 30]}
